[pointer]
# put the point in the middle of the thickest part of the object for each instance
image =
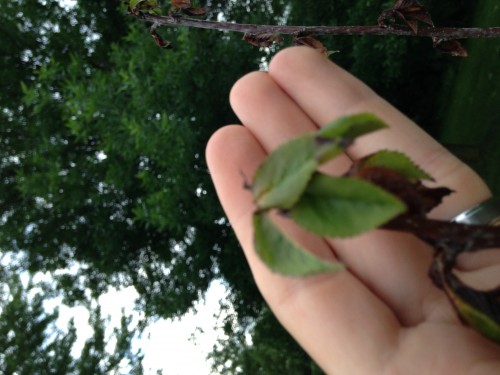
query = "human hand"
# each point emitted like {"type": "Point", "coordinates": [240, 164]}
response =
{"type": "Point", "coordinates": [383, 315]}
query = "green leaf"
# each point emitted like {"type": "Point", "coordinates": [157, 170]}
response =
{"type": "Point", "coordinates": [148, 6]}
{"type": "Point", "coordinates": [282, 178]}
{"type": "Point", "coordinates": [351, 127]}
{"type": "Point", "coordinates": [343, 206]}
{"type": "Point", "coordinates": [134, 3]}
{"type": "Point", "coordinates": [397, 161]}
{"type": "Point", "coordinates": [282, 255]}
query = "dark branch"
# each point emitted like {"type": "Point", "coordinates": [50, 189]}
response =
{"type": "Point", "coordinates": [472, 237]}
{"type": "Point", "coordinates": [438, 32]}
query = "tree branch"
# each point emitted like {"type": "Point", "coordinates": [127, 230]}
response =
{"type": "Point", "coordinates": [399, 30]}
{"type": "Point", "coordinates": [434, 232]}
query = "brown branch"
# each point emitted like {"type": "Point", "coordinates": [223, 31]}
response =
{"type": "Point", "coordinates": [437, 32]}
{"type": "Point", "coordinates": [471, 237]}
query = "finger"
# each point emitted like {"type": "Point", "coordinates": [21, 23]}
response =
{"type": "Point", "coordinates": [334, 317]}
{"type": "Point", "coordinates": [324, 92]}
{"type": "Point", "coordinates": [264, 108]}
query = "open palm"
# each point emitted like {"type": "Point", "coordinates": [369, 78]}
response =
{"type": "Point", "coordinates": [383, 315]}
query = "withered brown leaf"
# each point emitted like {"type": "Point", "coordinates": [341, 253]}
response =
{"type": "Point", "coordinates": [452, 47]}
{"type": "Point", "coordinates": [181, 4]}
{"type": "Point", "coordinates": [409, 11]}
{"type": "Point", "coordinates": [310, 41]}
{"type": "Point", "coordinates": [262, 40]}
{"type": "Point", "coordinates": [419, 198]}
{"type": "Point", "coordinates": [414, 10]}
{"type": "Point", "coordinates": [195, 11]}
{"type": "Point", "coordinates": [160, 41]}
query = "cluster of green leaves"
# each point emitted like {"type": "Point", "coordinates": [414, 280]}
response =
{"type": "Point", "coordinates": [328, 206]}
{"type": "Point", "coordinates": [377, 189]}
{"type": "Point", "coordinates": [102, 153]}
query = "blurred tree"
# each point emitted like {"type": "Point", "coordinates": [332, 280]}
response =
{"type": "Point", "coordinates": [407, 72]}
{"type": "Point", "coordinates": [262, 346]}
{"type": "Point", "coordinates": [103, 159]}
{"type": "Point", "coordinates": [31, 343]}
{"type": "Point", "coordinates": [469, 101]}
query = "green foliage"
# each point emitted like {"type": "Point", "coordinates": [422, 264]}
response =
{"type": "Point", "coordinates": [282, 255]}
{"type": "Point", "coordinates": [110, 171]}
{"type": "Point", "coordinates": [344, 207]}
{"type": "Point", "coordinates": [376, 190]}
{"type": "Point", "coordinates": [325, 205]}
{"type": "Point", "coordinates": [282, 178]}
{"type": "Point", "coordinates": [147, 6]}
{"type": "Point", "coordinates": [102, 153]}
{"type": "Point", "coordinates": [280, 181]}
{"type": "Point", "coordinates": [348, 128]}
{"type": "Point", "coordinates": [397, 161]}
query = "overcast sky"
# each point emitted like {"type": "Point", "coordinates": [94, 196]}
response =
{"type": "Point", "coordinates": [178, 347]}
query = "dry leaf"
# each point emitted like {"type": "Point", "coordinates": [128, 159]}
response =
{"type": "Point", "coordinates": [450, 46]}
{"type": "Point", "coordinates": [195, 11]}
{"type": "Point", "coordinates": [412, 9]}
{"type": "Point", "coordinates": [409, 11]}
{"type": "Point", "coordinates": [310, 41]}
{"type": "Point", "coordinates": [181, 4]}
{"type": "Point", "coordinates": [160, 41]}
{"type": "Point", "coordinates": [262, 40]}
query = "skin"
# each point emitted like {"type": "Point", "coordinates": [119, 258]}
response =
{"type": "Point", "coordinates": [382, 315]}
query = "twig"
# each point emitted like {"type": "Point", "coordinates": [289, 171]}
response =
{"type": "Point", "coordinates": [473, 237]}
{"type": "Point", "coordinates": [437, 32]}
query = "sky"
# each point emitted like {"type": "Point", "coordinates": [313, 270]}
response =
{"type": "Point", "coordinates": [177, 347]}
{"type": "Point", "coordinates": [67, 3]}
